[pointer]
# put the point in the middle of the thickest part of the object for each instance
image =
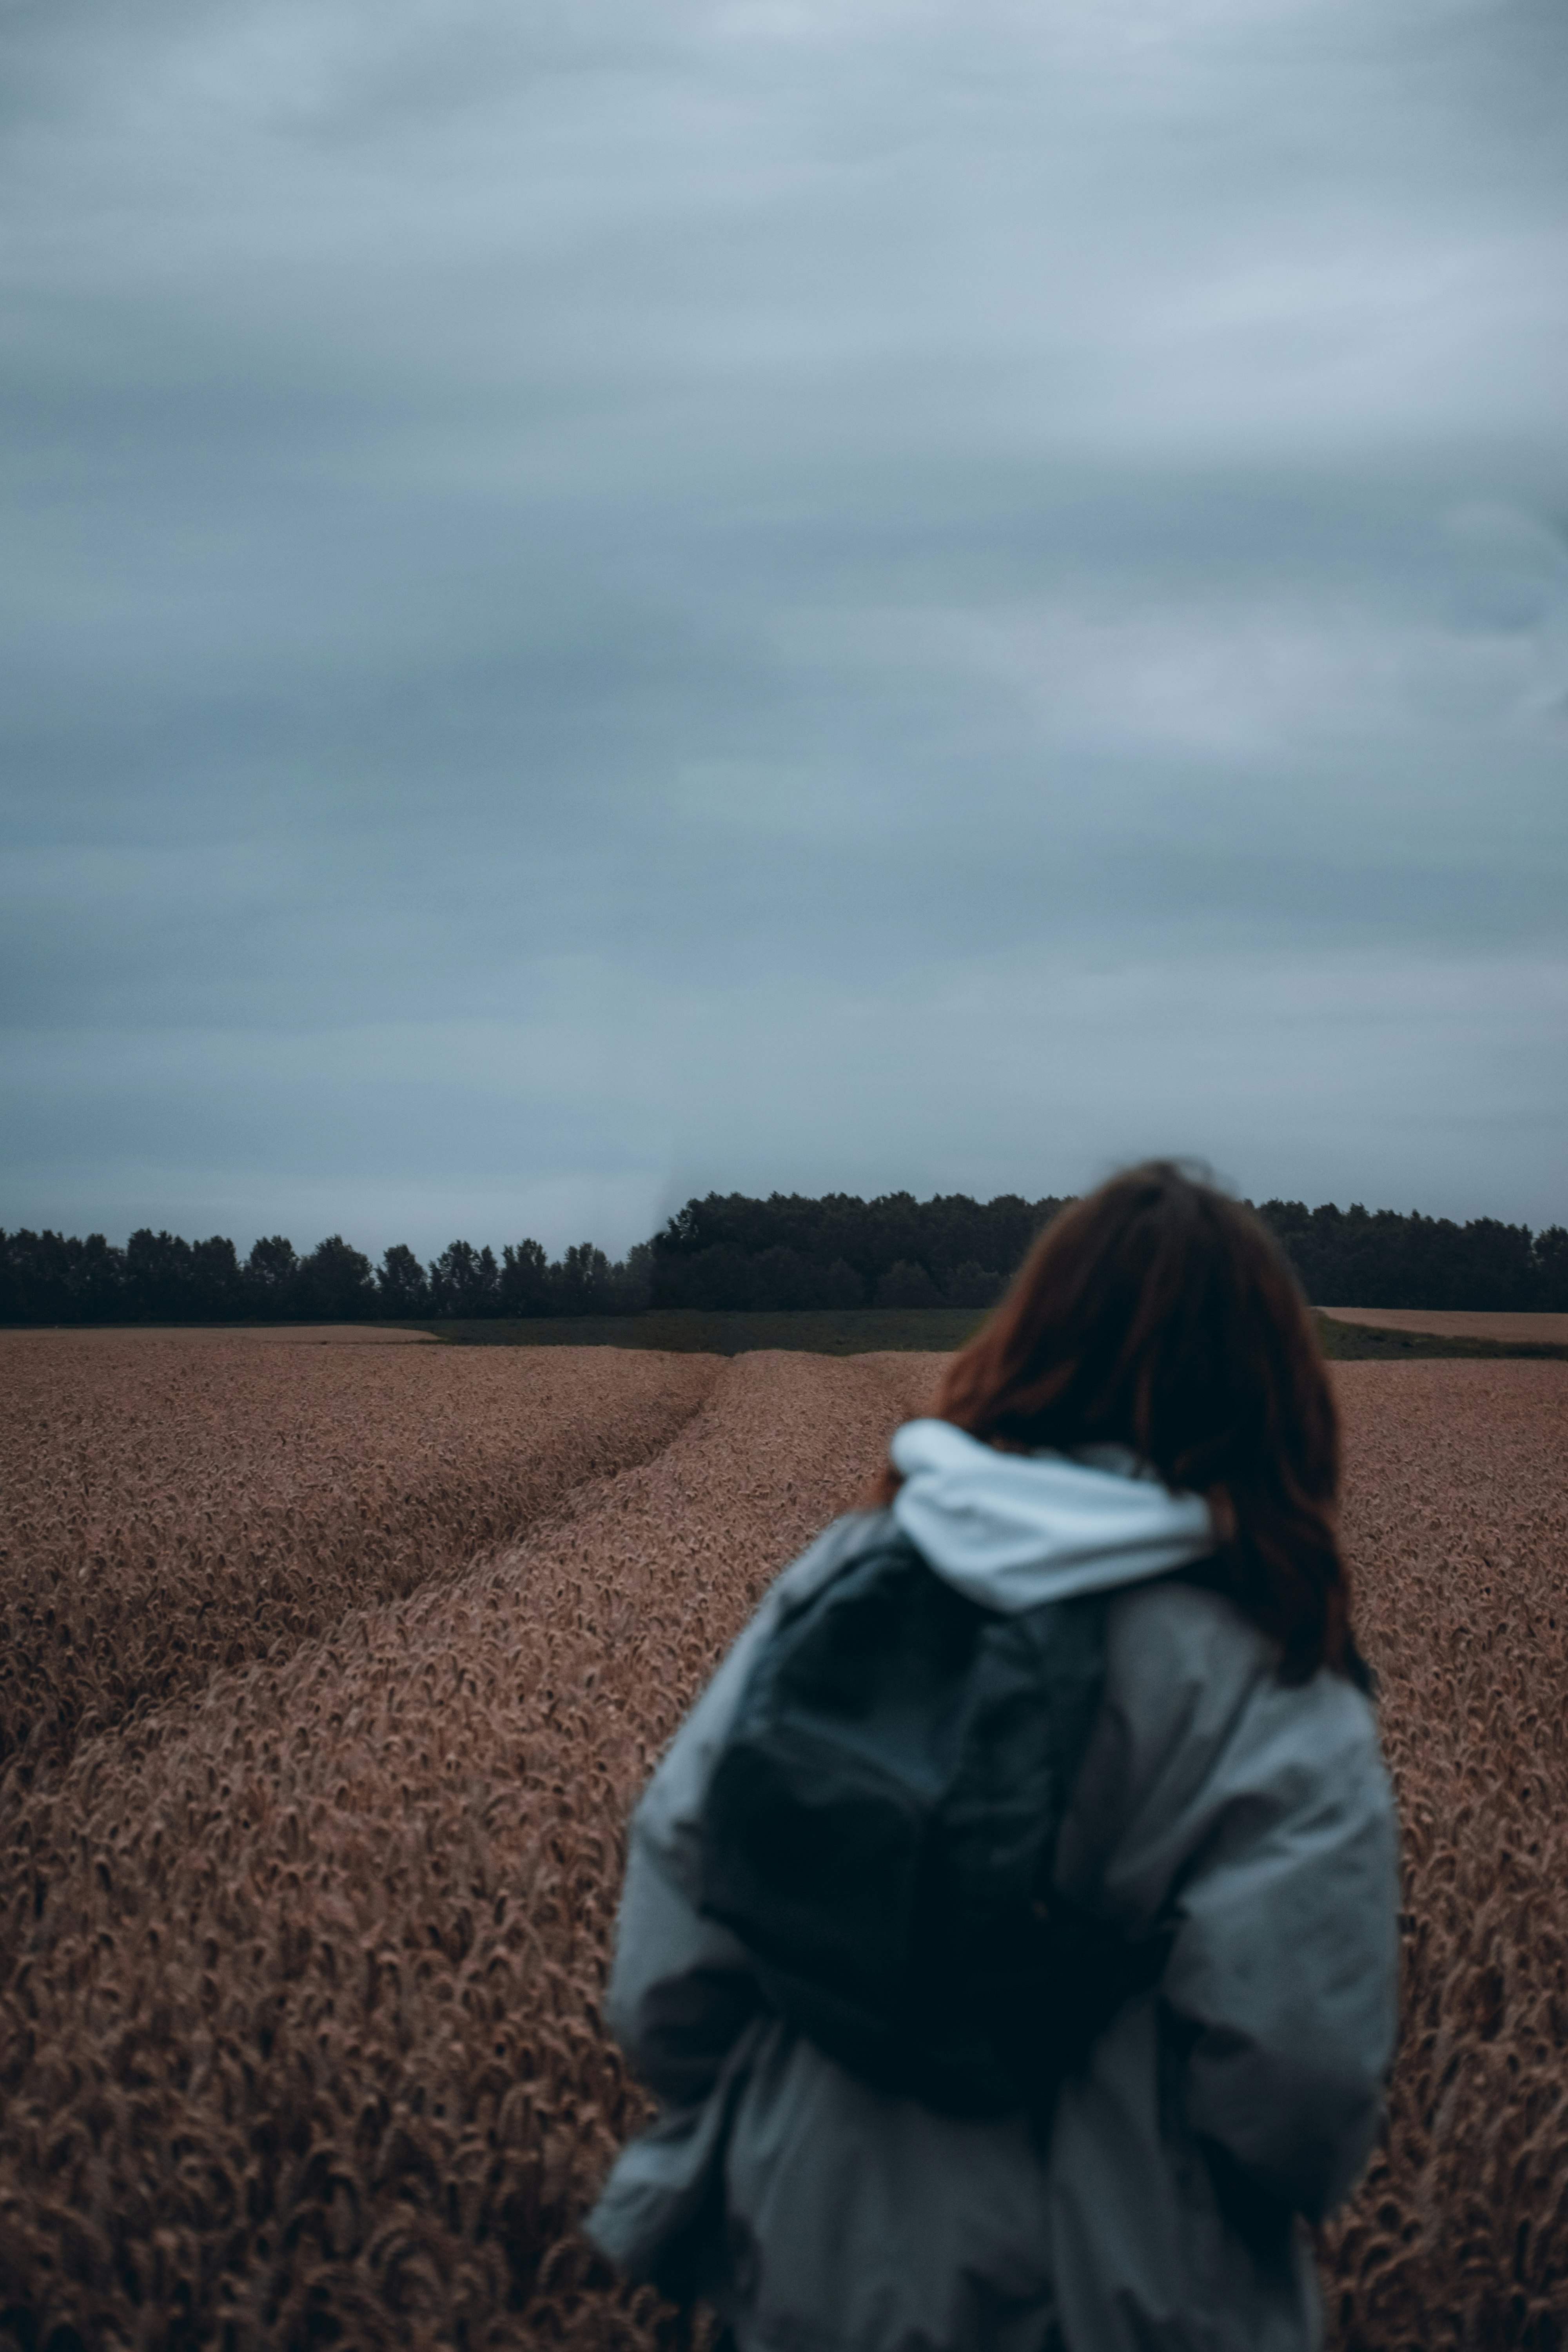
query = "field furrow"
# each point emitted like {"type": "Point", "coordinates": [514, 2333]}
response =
{"type": "Point", "coordinates": [171, 1509]}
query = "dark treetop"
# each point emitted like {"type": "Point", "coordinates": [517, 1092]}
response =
{"type": "Point", "coordinates": [731, 1251]}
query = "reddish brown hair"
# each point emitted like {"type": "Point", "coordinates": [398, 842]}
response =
{"type": "Point", "coordinates": [1159, 1314]}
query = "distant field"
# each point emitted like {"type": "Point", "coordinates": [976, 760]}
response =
{"type": "Point", "coordinates": [1394, 1334]}
{"type": "Point", "coordinates": [1532, 1331]}
{"type": "Point", "coordinates": [295, 1335]}
{"type": "Point", "coordinates": [687, 1331]}
{"type": "Point", "coordinates": [1348, 1334]}
{"type": "Point", "coordinates": [1359, 1336]}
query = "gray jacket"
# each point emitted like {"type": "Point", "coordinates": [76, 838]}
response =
{"type": "Point", "coordinates": [1163, 2213]}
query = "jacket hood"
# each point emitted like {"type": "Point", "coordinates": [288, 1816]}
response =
{"type": "Point", "coordinates": [1012, 1531]}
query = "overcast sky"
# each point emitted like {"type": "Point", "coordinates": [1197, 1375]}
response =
{"type": "Point", "coordinates": [606, 598]}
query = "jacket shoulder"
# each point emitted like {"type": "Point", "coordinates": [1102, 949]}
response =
{"type": "Point", "coordinates": [1195, 1723]}
{"type": "Point", "coordinates": [1183, 1661]}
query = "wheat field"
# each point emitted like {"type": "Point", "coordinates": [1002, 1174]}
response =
{"type": "Point", "coordinates": [328, 1680]}
{"type": "Point", "coordinates": [175, 1507]}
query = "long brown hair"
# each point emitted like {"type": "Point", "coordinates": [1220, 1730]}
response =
{"type": "Point", "coordinates": [1159, 1314]}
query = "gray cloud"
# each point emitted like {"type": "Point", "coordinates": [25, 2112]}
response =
{"type": "Point", "coordinates": [600, 602]}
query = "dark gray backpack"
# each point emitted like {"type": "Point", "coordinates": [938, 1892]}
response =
{"type": "Point", "coordinates": [880, 1826]}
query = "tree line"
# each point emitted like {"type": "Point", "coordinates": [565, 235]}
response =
{"type": "Point", "coordinates": [732, 1251]}
{"type": "Point", "coordinates": [49, 1277]}
{"type": "Point", "coordinates": [729, 1251]}
{"type": "Point", "coordinates": [1362, 1257]}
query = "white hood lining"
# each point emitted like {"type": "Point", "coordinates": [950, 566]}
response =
{"type": "Point", "coordinates": [1011, 1531]}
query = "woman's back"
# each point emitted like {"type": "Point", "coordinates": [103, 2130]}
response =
{"type": "Point", "coordinates": [815, 2212]}
{"type": "Point", "coordinates": [1147, 1418]}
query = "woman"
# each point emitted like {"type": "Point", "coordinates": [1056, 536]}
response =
{"type": "Point", "coordinates": [1146, 1415]}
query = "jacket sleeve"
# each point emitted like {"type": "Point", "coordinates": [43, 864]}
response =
{"type": "Point", "coordinates": [1285, 1959]}
{"type": "Point", "coordinates": [681, 1985]}
{"type": "Point", "coordinates": [1260, 1825]}
{"type": "Point", "coordinates": [681, 1988]}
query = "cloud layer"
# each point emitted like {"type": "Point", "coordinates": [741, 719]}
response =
{"type": "Point", "coordinates": [600, 602]}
